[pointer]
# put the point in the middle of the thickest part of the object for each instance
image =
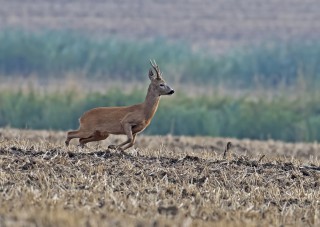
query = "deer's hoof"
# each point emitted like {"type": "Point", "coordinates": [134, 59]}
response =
{"type": "Point", "coordinates": [120, 149]}
{"type": "Point", "coordinates": [82, 145]}
{"type": "Point", "coordinates": [67, 143]}
{"type": "Point", "coordinates": [113, 147]}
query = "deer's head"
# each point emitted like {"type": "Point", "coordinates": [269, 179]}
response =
{"type": "Point", "coordinates": [158, 85]}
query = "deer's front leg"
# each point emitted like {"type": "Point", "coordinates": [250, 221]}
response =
{"type": "Point", "coordinates": [131, 142]}
{"type": "Point", "coordinates": [127, 127]}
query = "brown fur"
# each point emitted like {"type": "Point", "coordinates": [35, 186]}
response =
{"type": "Point", "coordinates": [98, 123]}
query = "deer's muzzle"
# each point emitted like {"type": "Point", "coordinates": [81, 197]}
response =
{"type": "Point", "coordinates": [171, 92]}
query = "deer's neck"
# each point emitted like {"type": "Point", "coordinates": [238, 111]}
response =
{"type": "Point", "coordinates": [151, 104]}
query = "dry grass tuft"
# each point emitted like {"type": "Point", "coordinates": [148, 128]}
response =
{"type": "Point", "coordinates": [176, 181]}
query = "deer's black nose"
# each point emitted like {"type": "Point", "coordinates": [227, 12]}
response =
{"type": "Point", "coordinates": [171, 92]}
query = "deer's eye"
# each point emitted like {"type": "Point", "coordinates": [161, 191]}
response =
{"type": "Point", "coordinates": [161, 85]}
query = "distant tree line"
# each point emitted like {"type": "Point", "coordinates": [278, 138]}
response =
{"type": "Point", "coordinates": [55, 53]}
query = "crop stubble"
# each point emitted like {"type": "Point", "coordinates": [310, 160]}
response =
{"type": "Point", "coordinates": [179, 181]}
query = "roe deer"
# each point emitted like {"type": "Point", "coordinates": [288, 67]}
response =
{"type": "Point", "coordinates": [98, 123]}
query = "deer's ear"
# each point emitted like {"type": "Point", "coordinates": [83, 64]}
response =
{"type": "Point", "coordinates": [151, 74]}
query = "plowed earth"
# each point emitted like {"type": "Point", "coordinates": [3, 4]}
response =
{"type": "Point", "coordinates": [173, 181]}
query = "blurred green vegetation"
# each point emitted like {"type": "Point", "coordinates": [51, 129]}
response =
{"type": "Point", "coordinates": [282, 118]}
{"type": "Point", "coordinates": [55, 53]}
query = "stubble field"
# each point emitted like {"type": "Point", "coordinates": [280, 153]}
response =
{"type": "Point", "coordinates": [166, 181]}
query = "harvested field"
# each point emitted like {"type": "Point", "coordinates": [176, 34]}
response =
{"type": "Point", "coordinates": [176, 181]}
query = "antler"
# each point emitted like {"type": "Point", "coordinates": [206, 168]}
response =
{"type": "Point", "coordinates": [156, 68]}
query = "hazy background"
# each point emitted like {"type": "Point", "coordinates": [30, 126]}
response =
{"type": "Point", "coordinates": [245, 69]}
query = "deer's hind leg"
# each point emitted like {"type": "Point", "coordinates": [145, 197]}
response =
{"type": "Point", "coordinates": [96, 136]}
{"type": "Point", "coordinates": [75, 134]}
